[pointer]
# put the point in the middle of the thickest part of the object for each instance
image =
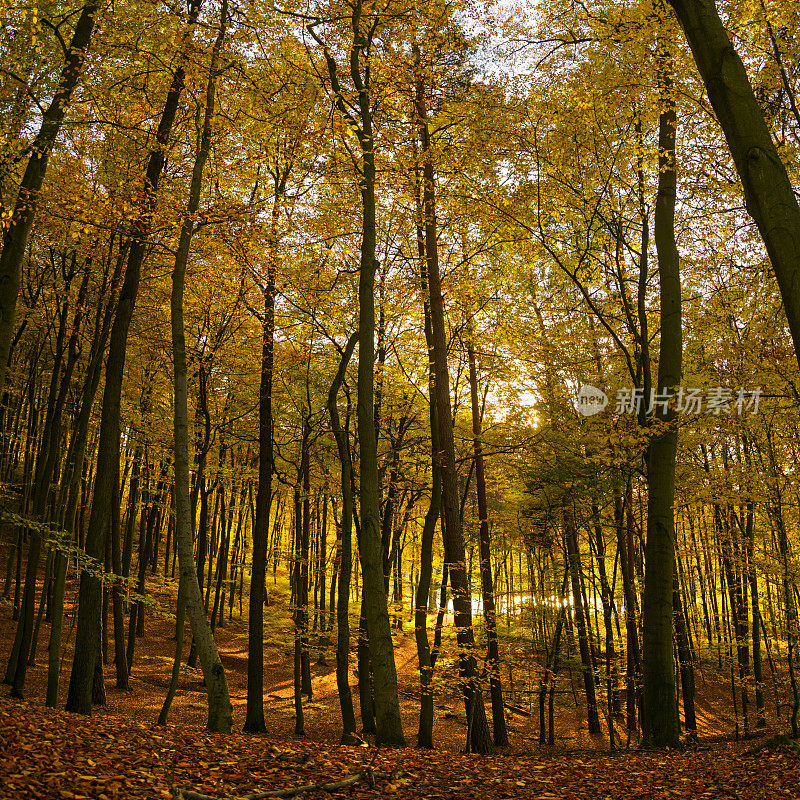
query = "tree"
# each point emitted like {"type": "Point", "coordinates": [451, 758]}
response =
{"type": "Point", "coordinates": [345, 568]}
{"type": "Point", "coordinates": [499, 733]}
{"type": "Point", "coordinates": [359, 116]}
{"type": "Point", "coordinates": [659, 709]}
{"type": "Point", "coordinates": [15, 236]}
{"type": "Point", "coordinates": [455, 556]}
{"type": "Point", "coordinates": [219, 704]}
{"type": "Point", "coordinates": [88, 629]}
{"type": "Point", "coordinates": [768, 192]}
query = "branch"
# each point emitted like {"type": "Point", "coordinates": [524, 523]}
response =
{"type": "Point", "coordinates": [25, 85]}
{"type": "Point", "coordinates": [54, 28]}
{"type": "Point", "coordinates": [334, 81]}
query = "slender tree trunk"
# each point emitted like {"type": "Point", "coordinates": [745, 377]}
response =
{"type": "Point", "coordinates": [500, 735]}
{"type": "Point", "coordinates": [607, 599]}
{"type": "Point", "coordinates": [659, 711]}
{"type": "Point", "coordinates": [769, 196]}
{"type": "Point", "coordinates": [133, 503]}
{"type": "Point", "coordinates": [424, 654]}
{"type": "Point", "coordinates": [180, 624]}
{"type": "Point", "coordinates": [149, 522]}
{"type": "Point", "coordinates": [120, 658]}
{"type": "Point", "coordinates": [302, 594]}
{"type": "Point", "coordinates": [15, 238]}
{"type": "Point", "coordinates": [343, 600]}
{"type": "Point", "coordinates": [222, 559]}
{"type": "Point", "coordinates": [322, 575]}
{"type": "Point", "coordinates": [297, 612]}
{"type": "Point", "coordinates": [686, 668]}
{"type": "Point", "coordinates": [455, 556]}
{"type": "Point", "coordinates": [752, 577]}
{"type": "Point", "coordinates": [254, 719]}
{"type": "Point", "coordinates": [547, 683]}
{"type": "Point", "coordinates": [219, 704]}
{"type": "Point", "coordinates": [790, 610]}
{"type": "Point", "coordinates": [387, 705]}
{"type": "Point", "coordinates": [581, 617]}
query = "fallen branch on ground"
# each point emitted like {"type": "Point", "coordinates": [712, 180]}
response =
{"type": "Point", "coordinates": [774, 741]}
{"type": "Point", "coordinates": [366, 774]}
{"type": "Point", "coordinates": [727, 791]}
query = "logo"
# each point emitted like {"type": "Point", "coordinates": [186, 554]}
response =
{"type": "Point", "coordinates": [591, 401]}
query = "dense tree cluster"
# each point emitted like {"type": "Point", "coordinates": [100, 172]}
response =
{"type": "Point", "coordinates": [309, 291]}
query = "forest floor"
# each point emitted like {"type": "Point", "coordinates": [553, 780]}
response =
{"type": "Point", "coordinates": [50, 754]}
{"type": "Point", "coordinates": [120, 752]}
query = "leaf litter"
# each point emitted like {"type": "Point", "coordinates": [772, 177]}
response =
{"type": "Point", "coordinates": [51, 754]}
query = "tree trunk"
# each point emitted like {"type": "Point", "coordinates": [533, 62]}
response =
{"type": "Point", "coordinates": [120, 659]}
{"type": "Point", "coordinates": [15, 238]}
{"type": "Point", "coordinates": [581, 617]}
{"type": "Point", "coordinates": [219, 704]}
{"type": "Point", "coordinates": [295, 602]}
{"type": "Point", "coordinates": [686, 668]}
{"type": "Point", "coordinates": [180, 620]}
{"type": "Point", "coordinates": [302, 593]}
{"type": "Point", "coordinates": [322, 576]}
{"type": "Point", "coordinates": [499, 733]}
{"type": "Point", "coordinates": [752, 577]}
{"type": "Point", "coordinates": [387, 705]}
{"type": "Point", "coordinates": [343, 600]}
{"type": "Point", "coordinates": [455, 555]}
{"type": "Point", "coordinates": [424, 654]}
{"type": "Point", "coordinates": [768, 192]}
{"type": "Point", "coordinates": [659, 711]}
{"type": "Point", "coordinates": [254, 719]}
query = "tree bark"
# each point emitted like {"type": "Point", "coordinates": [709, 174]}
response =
{"type": "Point", "coordinates": [659, 708]}
{"type": "Point", "coordinates": [685, 665]}
{"type": "Point", "coordinates": [346, 559]}
{"type": "Point", "coordinates": [752, 577]}
{"type": "Point", "coordinates": [254, 717]}
{"type": "Point", "coordinates": [15, 239]}
{"type": "Point", "coordinates": [425, 656]}
{"type": "Point", "coordinates": [499, 732]}
{"type": "Point", "coordinates": [180, 625]}
{"type": "Point", "coordinates": [387, 705]}
{"type": "Point", "coordinates": [581, 616]}
{"type": "Point", "coordinates": [768, 192]}
{"type": "Point", "coordinates": [120, 659]}
{"type": "Point", "coordinates": [301, 597]}
{"type": "Point", "coordinates": [455, 555]}
{"type": "Point", "coordinates": [219, 704]}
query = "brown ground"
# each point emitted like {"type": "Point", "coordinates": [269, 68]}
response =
{"type": "Point", "coordinates": [120, 754]}
{"type": "Point", "coordinates": [48, 755]}
{"type": "Point", "coordinates": [153, 662]}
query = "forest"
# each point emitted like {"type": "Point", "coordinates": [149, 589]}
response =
{"type": "Point", "coordinates": [379, 375]}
